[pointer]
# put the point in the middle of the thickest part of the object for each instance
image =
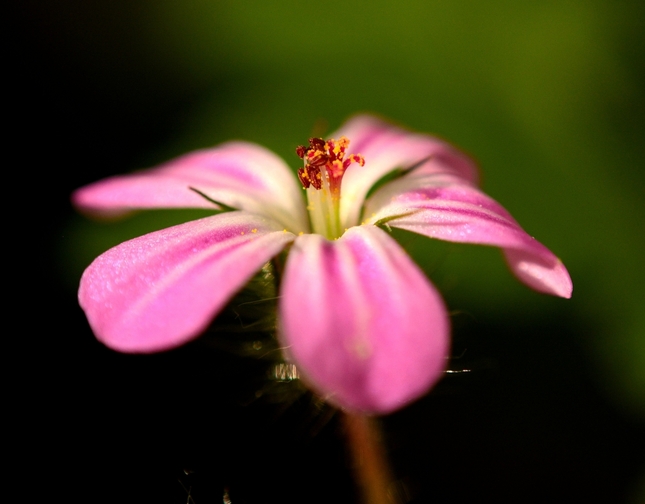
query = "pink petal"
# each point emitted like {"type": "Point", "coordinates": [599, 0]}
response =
{"type": "Point", "coordinates": [241, 175]}
{"type": "Point", "coordinates": [438, 207]}
{"type": "Point", "coordinates": [162, 289]}
{"type": "Point", "coordinates": [362, 322]}
{"type": "Point", "coordinates": [386, 147]}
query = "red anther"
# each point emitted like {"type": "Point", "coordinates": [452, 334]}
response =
{"type": "Point", "coordinates": [304, 178]}
{"type": "Point", "coordinates": [317, 158]}
{"type": "Point", "coordinates": [301, 150]}
{"type": "Point", "coordinates": [317, 144]}
{"type": "Point", "coordinates": [315, 177]}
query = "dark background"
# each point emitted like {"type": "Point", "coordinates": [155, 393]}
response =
{"type": "Point", "coordinates": [548, 96]}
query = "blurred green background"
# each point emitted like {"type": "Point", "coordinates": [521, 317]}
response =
{"type": "Point", "coordinates": [548, 97]}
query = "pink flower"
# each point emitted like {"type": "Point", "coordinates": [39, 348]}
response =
{"type": "Point", "coordinates": [366, 328]}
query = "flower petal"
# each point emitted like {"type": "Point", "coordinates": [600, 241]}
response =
{"type": "Point", "coordinates": [386, 147]}
{"type": "Point", "coordinates": [362, 322]}
{"type": "Point", "coordinates": [162, 289]}
{"type": "Point", "coordinates": [440, 207]}
{"type": "Point", "coordinates": [241, 175]}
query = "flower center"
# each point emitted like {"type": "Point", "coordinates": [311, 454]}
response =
{"type": "Point", "coordinates": [321, 176]}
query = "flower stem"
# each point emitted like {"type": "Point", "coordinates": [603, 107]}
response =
{"type": "Point", "coordinates": [369, 460]}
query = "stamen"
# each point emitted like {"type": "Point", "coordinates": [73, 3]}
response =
{"type": "Point", "coordinates": [329, 154]}
{"type": "Point", "coordinates": [322, 174]}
